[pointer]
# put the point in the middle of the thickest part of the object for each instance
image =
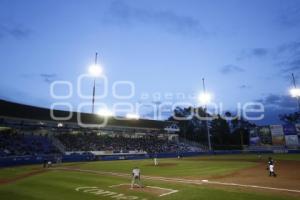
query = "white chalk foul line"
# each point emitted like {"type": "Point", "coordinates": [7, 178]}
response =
{"type": "Point", "coordinates": [178, 180]}
{"type": "Point", "coordinates": [171, 191]}
{"type": "Point", "coordinates": [250, 186]}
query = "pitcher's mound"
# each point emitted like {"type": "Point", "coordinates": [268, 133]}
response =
{"type": "Point", "coordinates": [156, 191]}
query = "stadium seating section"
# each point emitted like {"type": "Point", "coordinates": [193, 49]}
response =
{"type": "Point", "coordinates": [13, 143]}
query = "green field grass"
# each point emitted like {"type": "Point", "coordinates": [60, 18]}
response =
{"type": "Point", "coordinates": [14, 171]}
{"type": "Point", "coordinates": [171, 167]}
{"type": "Point", "coordinates": [57, 184]}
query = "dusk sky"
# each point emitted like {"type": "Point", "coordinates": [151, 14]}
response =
{"type": "Point", "coordinates": [245, 49]}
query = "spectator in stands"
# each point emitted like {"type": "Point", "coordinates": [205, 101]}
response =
{"type": "Point", "coordinates": [93, 142]}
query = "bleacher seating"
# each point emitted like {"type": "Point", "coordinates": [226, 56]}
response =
{"type": "Point", "coordinates": [20, 144]}
{"type": "Point", "coordinates": [93, 142]}
{"type": "Point", "coordinates": [16, 143]}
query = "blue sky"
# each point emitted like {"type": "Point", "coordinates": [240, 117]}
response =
{"type": "Point", "coordinates": [246, 50]}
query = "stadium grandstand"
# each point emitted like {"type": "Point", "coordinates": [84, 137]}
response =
{"type": "Point", "coordinates": [29, 134]}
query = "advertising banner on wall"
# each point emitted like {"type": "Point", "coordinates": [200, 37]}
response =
{"type": "Point", "coordinates": [277, 135]}
{"type": "Point", "coordinates": [291, 135]}
{"type": "Point", "coordinates": [265, 136]}
{"type": "Point", "coordinates": [298, 132]}
{"type": "Point", "coordinates": [289, 129]}
{"type": "Point", "coordinates": [291, 140]}
{"type": "Point", "coordinates": [298, 129]}
{"type": "Point", "coordinates": [254, 139]}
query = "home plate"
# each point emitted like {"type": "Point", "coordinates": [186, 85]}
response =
{"type": "Point", "coordinates": [205, 181]}
{"type": "Point", "coordinates": [158, 191]}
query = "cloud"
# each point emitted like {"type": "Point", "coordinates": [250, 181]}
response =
{"type": "Point", "coordinates": [289, 17]}
{"type": "Point", "coordinates": [279, 102]}
{"type": "Point", "coordinates": [15, 31]}
{"type": "Point", "coordinates": [275, 105]}
{"type": "Point", "coordinates": [228, 69]}
{"type": "Point", "coordinates": [290, 47]}
{"type": "Point", "coordinates": [290, 66]}
{"type": "Point", "coordinates": [253, 53]}
{"type": "Point", "coordinates": [288, 56]}
{"type": "Point", "coordinates": [259, 52]}
{"type": "Point", "coordinates": [271, 116]}
{"type": "Point", "coordinates": [244, 86]}
{"type": "Point", "coordinates": [121, 13]}
{"type": "Point", "coordinates": [48, 78]}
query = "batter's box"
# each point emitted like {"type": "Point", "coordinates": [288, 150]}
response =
{"type": "Point", "coordinates": [154, 190]}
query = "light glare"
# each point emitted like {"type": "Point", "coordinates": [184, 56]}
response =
{"type": "Point", "coordinates": [295, 92]}
{"type": "Point", "coordinates": [105, 113]}
{"type": "Point", "coordinates": [95, 70]}
{"type": "Point", "coordinates": [132, 116]}
{"type": "Point", "coordinates": [205, 98]}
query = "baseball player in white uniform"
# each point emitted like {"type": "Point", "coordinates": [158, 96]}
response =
{"type": "Point", "coordinates": [271, 167]}
{"type": "Point", "coordinates": [155, 161]}
{"type": "Point", "coordinates": [136, 177]}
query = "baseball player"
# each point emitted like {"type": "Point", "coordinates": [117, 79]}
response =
{"type": "Point", "coordinates": [155, 160]}
{"type": "Point", "coordinates": [271, 167]}
{"type": "Point", "coordinates": [136, 177]}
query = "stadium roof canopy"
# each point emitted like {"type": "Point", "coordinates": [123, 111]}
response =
{"type": "Point", "coordinates": [26, 112]}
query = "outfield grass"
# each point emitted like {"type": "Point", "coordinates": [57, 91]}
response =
{"type": "Point", "coordinates": [57, 184]}
{"type": "Point", "coordinates": [171, 167]}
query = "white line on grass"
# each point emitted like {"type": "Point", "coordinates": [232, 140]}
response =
{"type": "Point", "coordinates": [250, 186]}
{"type": "Point", "coordinates": [165, 194]}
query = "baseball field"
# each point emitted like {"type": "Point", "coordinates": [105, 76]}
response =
{"type": "Point", "coordinates": [229, 177]}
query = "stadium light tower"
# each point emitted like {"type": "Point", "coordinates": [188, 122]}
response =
{"type": "Point", "coordinates": [157, 103]}
{"type": "Point", "coordinates": [95, 70]}
{"type": "Point", "coordinates": [205, 98]}
{"type": "Point", "coordinates": [295, 92]}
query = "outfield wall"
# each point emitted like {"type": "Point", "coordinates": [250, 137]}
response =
{"type": "Point", "coordinates": [29, 160]}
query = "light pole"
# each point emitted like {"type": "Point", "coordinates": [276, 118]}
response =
{"type": "Point", "coordinates": [157, 103]}
{"type": "Point", "coordinates": [95, 71]}
{"type": "Point", "coordinates": [295, 92]}
{"type": "Point", "coordinates": [205, 98]}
